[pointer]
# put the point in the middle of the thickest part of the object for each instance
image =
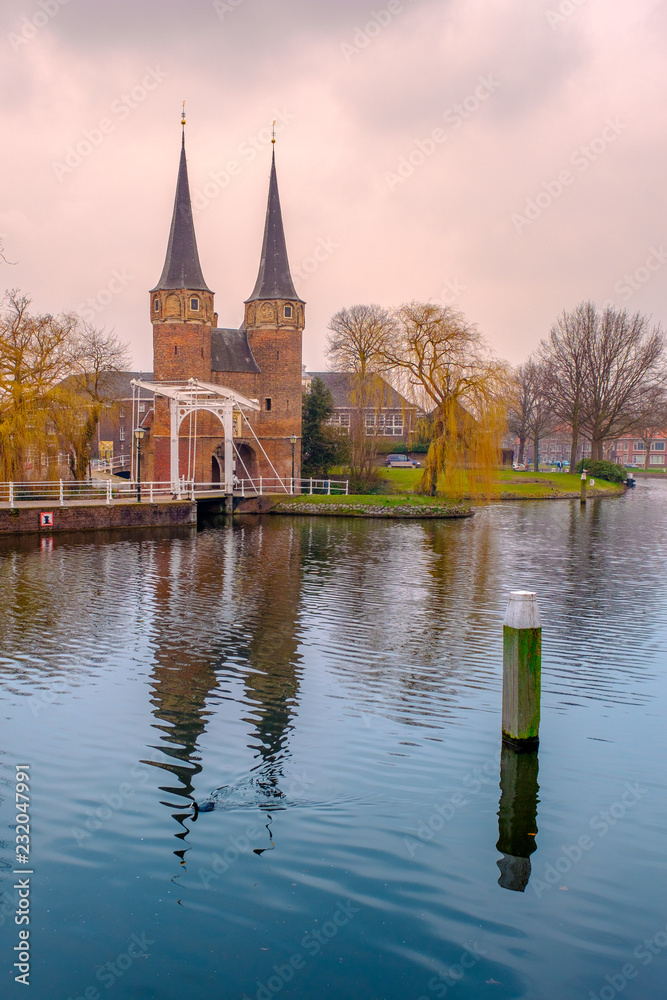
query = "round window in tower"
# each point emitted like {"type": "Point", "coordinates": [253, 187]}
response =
{"type": "Point", "coordinates": [194, 304]}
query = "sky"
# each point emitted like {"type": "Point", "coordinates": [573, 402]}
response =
{"type": "Point", "coordinates": [505, 157]}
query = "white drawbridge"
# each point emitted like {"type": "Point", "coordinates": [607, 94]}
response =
{"type": "Point", "coordinates": [185, 399]}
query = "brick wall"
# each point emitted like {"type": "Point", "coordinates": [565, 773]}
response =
{"type": "Point", "coordinates": [23, 520]}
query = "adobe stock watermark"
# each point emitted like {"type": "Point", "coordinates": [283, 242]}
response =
{"type": "Point", "coordinates": [644, 953]}
{"type": "Point", "coordinates": [31, 26]}
{"type": "Point", "coordinates": [451, 292]}
{"type": "Point", "coordinates": [247, 151]}
{"type": "Point", "coordinates": [363, 36]}
{"type": "Point", "coordinates": [601, 823]}
{"type": "Point", "coordinates": [109, 973]}
{"type": "Point", "coordinates": [581, 159]}
{"type": "Point", "coordinates": [445, 811]}
{"type": "Point", "coordinates": [95, 304]}
{"type": "Point", "coordinates": [225, 7]}
{"type": "Point", "coordinates": [454, 116]}
{"type": "Point", "coordinates": [633, 282]}
{"type": "Point", "coordinates": [111, 803]}
{"type": "Point", "coordinates": [121, 108]}
{"type": "Point", "coordinates": [564, 11]}
{"type": "Point", "coordinates": [441, 984]}
{"type": "Point", "coordinates": [313, 943]}
{"type": "Point", "coordinates": [322, 251]}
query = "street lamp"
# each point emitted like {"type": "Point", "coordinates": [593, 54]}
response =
{"type": "Point", "coordinates": [292, 441]}
{"type": "Point", "coordinates": [138, 437]}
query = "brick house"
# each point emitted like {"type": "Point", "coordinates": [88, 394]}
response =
{"type": "Point", "coordinates": [392, 418]}
{"type": "Point", "coordinates": [120, 414]}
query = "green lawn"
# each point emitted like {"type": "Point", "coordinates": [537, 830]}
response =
{"type": "Point", "coordinates": [511, 483]}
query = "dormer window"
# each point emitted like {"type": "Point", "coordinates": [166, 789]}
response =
{"type": "Point", "coordinates": [288, 312]}
{"type": "Point", "coordinates": [156, 305]}
{"type": "Point", "coordinates": [194, 304]}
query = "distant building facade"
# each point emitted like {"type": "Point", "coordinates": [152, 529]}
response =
{"type": "Point", "coordinates": [391, 417]}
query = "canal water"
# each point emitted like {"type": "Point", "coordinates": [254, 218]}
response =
{"type": "Point", "coordinates": [328, 691]}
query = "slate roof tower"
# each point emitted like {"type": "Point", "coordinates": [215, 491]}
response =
{"type": "Point", "coordinates": [181, 302]}
{"type": "Point", "coordinates": [274, 322]}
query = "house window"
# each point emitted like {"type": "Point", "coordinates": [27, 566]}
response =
{"type": "Point", "coordinates": [267, 403]}
{"type": "Point", "coordinates": [121, 432]}
{"type": "Point", "coordinates": [142, 407]}
{"type": "Point", "coordinates": [384, 424]}
{"type": "Point", "coordinates": [175, 348]}
{"type": "Point", "coordinates": [341, 420]}
{"type": "Point", "coordinates": [658, 446]}
{"type": "Point", "coordinates": [156, 305]}
{"type": "Point", "coordinates": [194, 303]}
{"type": "Point", "coordinates": [657, 460]}
{"type": "Point", "coordinates": [639, 446]}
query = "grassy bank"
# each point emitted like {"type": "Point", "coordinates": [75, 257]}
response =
{"type": "Point", "coordinates": [510, 485]}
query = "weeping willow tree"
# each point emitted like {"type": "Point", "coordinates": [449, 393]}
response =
{"type": "Point", "coordinates": [441, 360]}
{"type": "Point", "coordinates": [51, 370]}
{"type": "Point", "coordinates": [34, 357]}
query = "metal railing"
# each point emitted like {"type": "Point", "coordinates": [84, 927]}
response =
{"type": "Point", "coordinates": [119, 463]}
{"type": "Point", "coordinates": [106, 491]}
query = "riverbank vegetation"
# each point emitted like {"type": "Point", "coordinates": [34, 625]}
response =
{"type": "Point", "coordinates": [52, 384]}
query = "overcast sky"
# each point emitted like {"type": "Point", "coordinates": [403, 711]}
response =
{"type": "Point", "coordinates": [505, 156]}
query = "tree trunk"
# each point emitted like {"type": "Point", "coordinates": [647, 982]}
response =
{"type": "Point", "coordinates": [596, 450]}
{"type": "Point", "coordinates": [536, 453]}
{"type": "Point", "coordinates": [647, 456]}
{"type": "Point", "coordinates": [522, 448]}
{"type": "Point", "coordinates": [573, 449]}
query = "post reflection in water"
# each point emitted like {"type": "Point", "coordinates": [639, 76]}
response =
{"type": "Point", "coordinates": [227, 607]}
{"type": "Point", "coordinates": [517, 816]}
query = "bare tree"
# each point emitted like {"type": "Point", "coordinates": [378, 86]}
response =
{"type": "Point", "coordinates": [626, 365]}
{"type": "Point", "coordinates": [542, 419]}
{"type": "Point", "coordinates": [442, 361]}
{"type": "Point", "coordinates": [652, 421]}
{"type": "Point", "coordinates": [520, 408]}
{"type": "Point", "coordinates": [566, 354]}
{"type": "Point", "coordinates": [78, 401]}
{"type": "Point", "coordinates": [356, 341]}
{"type": "Point", "coordinates": [602, 369]}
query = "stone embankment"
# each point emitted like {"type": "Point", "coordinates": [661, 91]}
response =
{"type": "Point", "coordinates": [403, 511]}
{"type": "Point", "coordinates": [76, 517]}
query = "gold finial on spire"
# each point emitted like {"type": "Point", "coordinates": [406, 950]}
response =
{"type": "Point", "coordinates": [273, 132]}
{"type": "Point", "coordinates": [183, 114]}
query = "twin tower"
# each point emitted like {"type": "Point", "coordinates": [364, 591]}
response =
{"type": "Point", "coordinates": [261, 360]}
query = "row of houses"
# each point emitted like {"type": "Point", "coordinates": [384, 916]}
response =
{"type": "Point", "coordinates": [629, 451]}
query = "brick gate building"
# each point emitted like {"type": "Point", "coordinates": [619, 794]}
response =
{"type": "Point", "coordinates": [261, 360]}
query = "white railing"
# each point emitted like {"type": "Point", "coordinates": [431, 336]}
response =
{"type": "Point", "coordinates": [117, 464]}
{"type": "Point", "coordinates": [61, 491]}
{"type": "Point", "coordinates": [263, 485]}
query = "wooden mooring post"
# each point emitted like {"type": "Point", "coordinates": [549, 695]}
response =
{"type": "Point", "coordinates": [582, 494]}
{"type": "Point", "coordinates": [522, 670]}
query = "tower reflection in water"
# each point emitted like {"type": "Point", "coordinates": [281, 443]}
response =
{"type": "Point", "coordinates": [517, 816]}
{"type": "Point", "coordinates": [227, 608]}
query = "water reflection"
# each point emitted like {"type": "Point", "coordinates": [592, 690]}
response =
{"type": "Point", "coordinates": [227, 610]}
{"type": "Point", "coordinates": [517, 816]}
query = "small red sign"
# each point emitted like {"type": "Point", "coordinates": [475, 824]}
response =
{"type": "Point", "coordinates": [46, 519]}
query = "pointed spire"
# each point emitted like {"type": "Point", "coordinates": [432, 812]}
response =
{"type": "Point", "coordinates": [274, 280]}
{"type": "Point", "coordinates": [181, 266]}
